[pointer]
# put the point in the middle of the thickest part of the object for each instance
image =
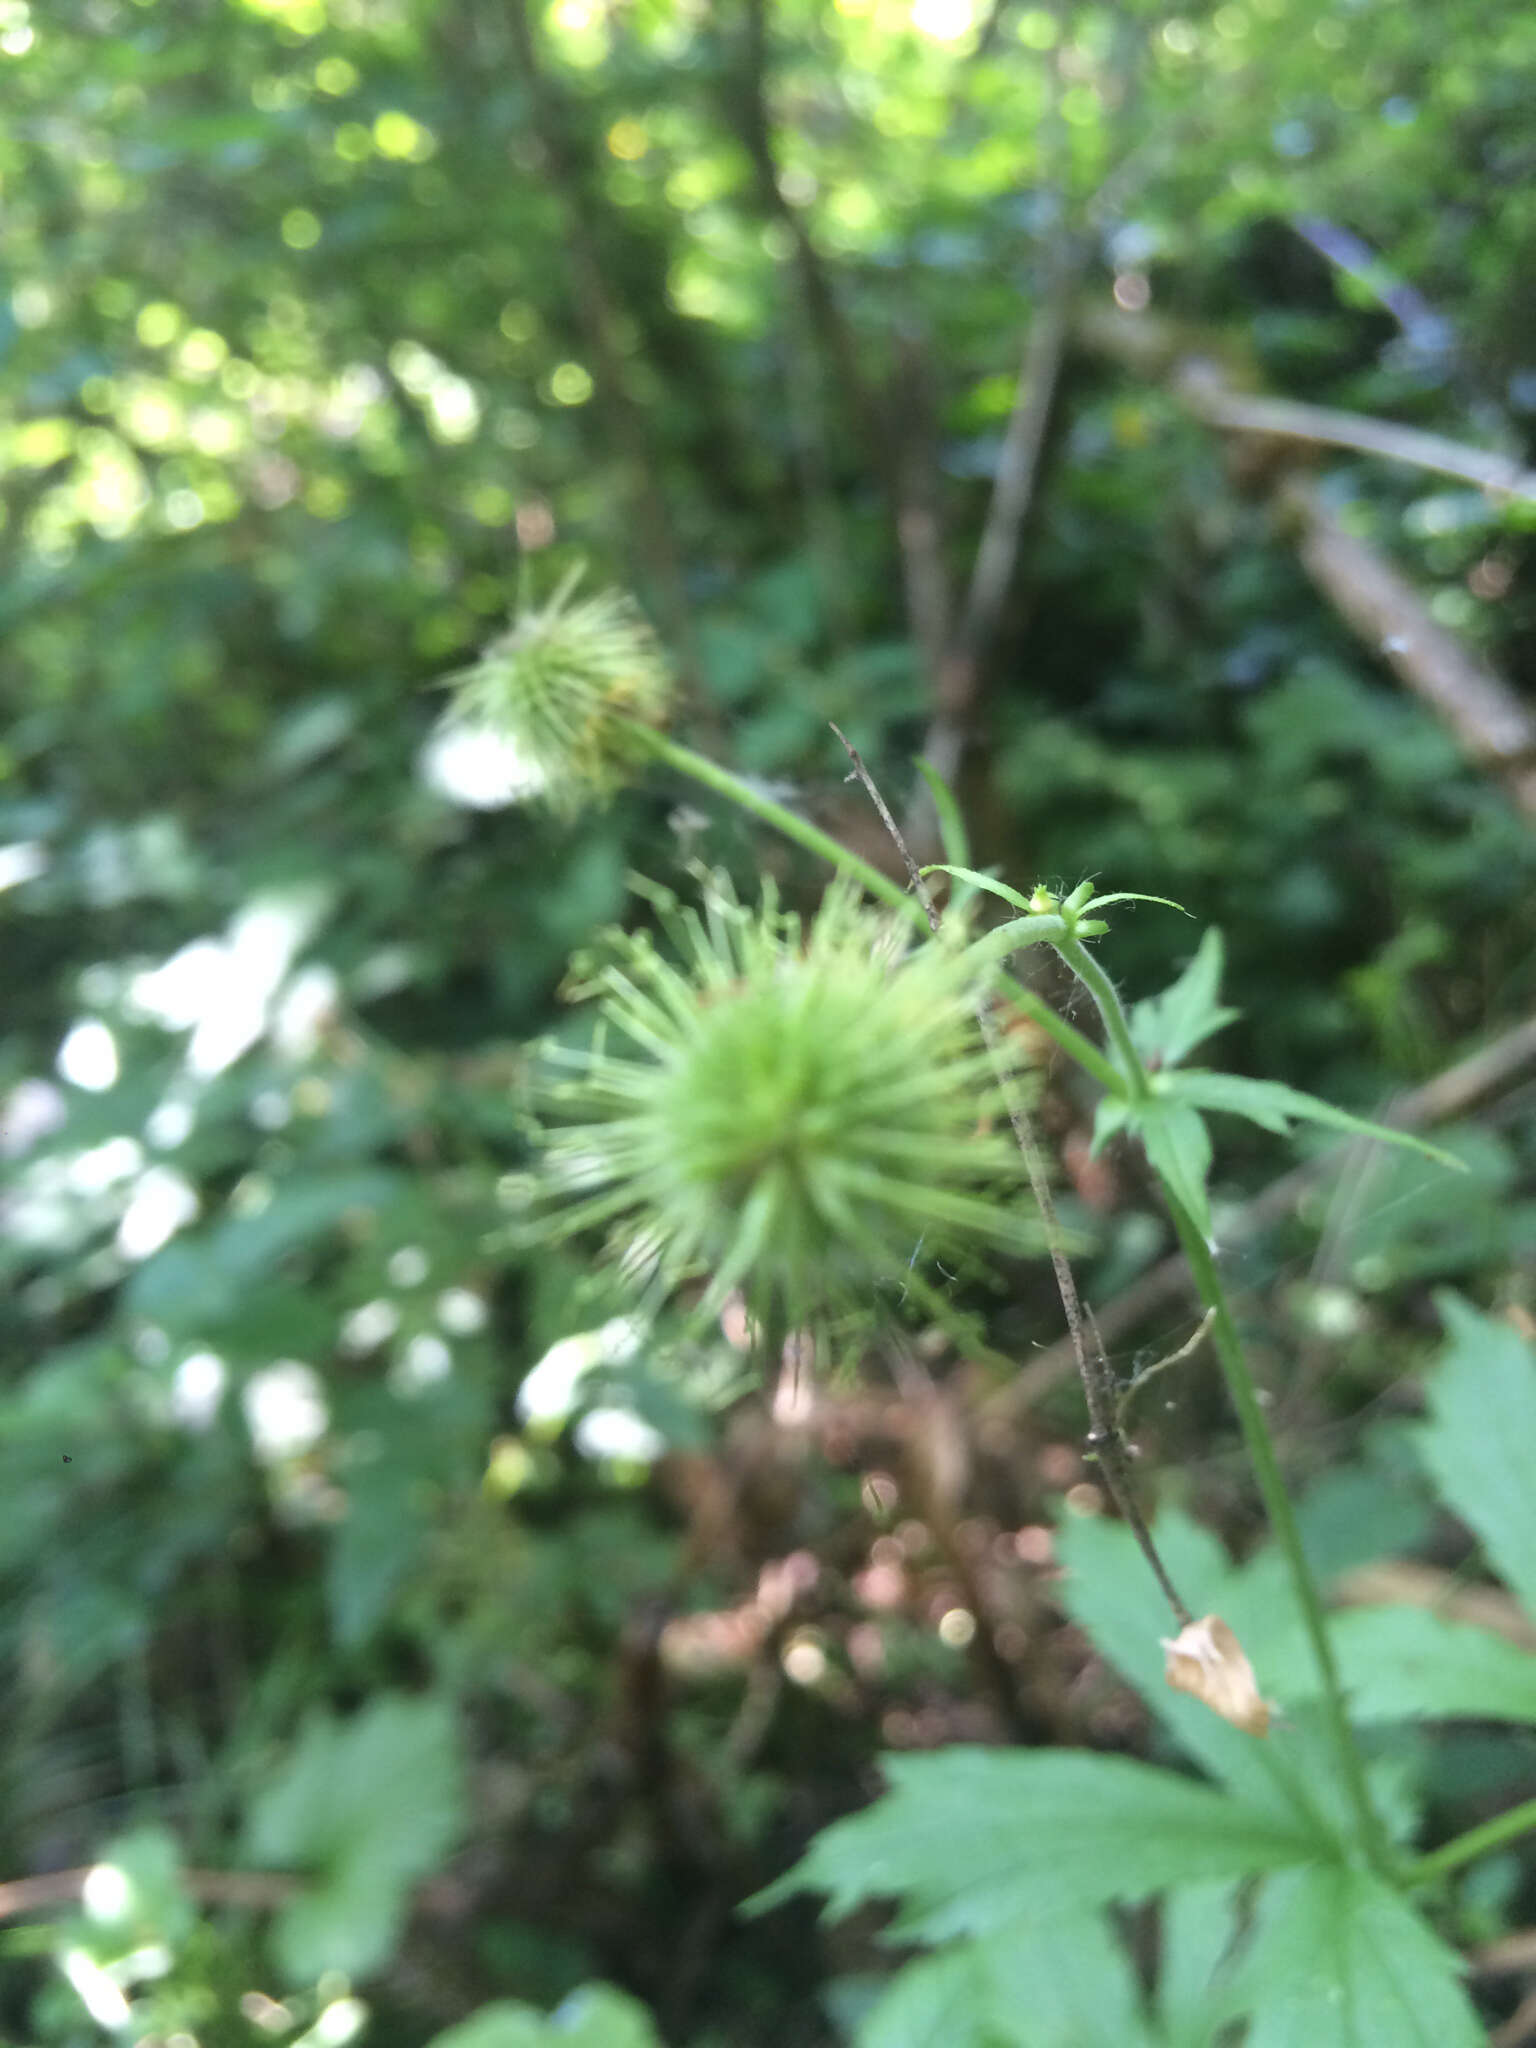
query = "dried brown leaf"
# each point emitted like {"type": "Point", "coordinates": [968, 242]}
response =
{"type": "Point", "coordinates": [1207, 1660]}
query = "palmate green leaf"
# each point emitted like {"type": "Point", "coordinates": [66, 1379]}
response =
{"type": "Point", "coordinates": [1199, 1926]}
{"type": "Point", "coordinates": [1339, 1960]}
{"type": "Point", "coordinates": [1179, 1151]}
{"type": "Point", "coordinates": [370, 1805]}
{"type": "Point", "coordinates": [1178, 1146]}
{"type": "Point", "coordinates": [971, 1839]}
{"type": "Point", "coordinates": [1290, 1776]}
{"type": "Point", "coordinates": [1408, 1664]}
{"type": "Point", "coordinates": [1275, 1107]}
{"type": "Point", "coordinates": [1168, 1026]}
{"type": "Point", "coordinates": [1478, 1441]}
{"type": "Point", "coordinates": [1039, 1983]}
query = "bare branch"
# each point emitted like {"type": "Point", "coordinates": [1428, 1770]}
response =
{"type": "Point", "coordinates": [263, 1890]}
{"type": "Point", "coordinates": [1489, 721]}
{"type": "Point", "coordinates": [959, 670]}
{"type": "Point", "coordinates": [901, 461]}
{"type": "Point", "coordinates": [919, 533]}
{"type": "Point", "coordinates": [1202, 388]}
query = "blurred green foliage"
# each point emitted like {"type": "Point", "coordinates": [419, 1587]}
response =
{"type": "Point", "coordinates": [326, 327]}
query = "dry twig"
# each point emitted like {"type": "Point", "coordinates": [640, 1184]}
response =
{"type": "Point", "coordinates": [1105, 1441]}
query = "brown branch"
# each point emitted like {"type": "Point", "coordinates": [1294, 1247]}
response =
{"type": "Point", "coordinates": [1019, 465]}
{"type": "Point", "coordinates": [1399, 1582]}
{"type": "Point", "coordinates": [262, 1890]}
{"type": "Point", "coordinates": [1452, 1093]}
{"type": "Point", "coordinates": [1493, 726]}
{"type": "Point", "coordinates": [1203, 390]}
{"type": "Point", "coordinates": [1013, 492]}
{"type": "Point", "coordinates": [1489, 721]}
{"type": "Point", "coordinates": [901, 463]}
{"type": "Point", "coordinates": [1510, 1956]}
{"type": "Point", "coordinates": [1017, 480]}
{"type": "Point", "coordinates": [919, 530]}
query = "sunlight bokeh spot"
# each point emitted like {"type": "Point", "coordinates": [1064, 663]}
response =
{"type": "Point", "coordinates": [161, 1203]}
{"type": "Point", "coordinates": [197, 1390]}
{"type": "Point", "coordinates": [943, 21]}
{"type": "Point", "coordinates": [88, 1057]}
{"type": "Point", "coordinates": [285, 1410]}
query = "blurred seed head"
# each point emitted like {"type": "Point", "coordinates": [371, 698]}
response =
{"type": "Point", "coordinates": [553, 702]}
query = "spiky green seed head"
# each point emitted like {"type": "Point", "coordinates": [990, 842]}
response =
{"type": "Point", "coordinates": [559, 694]}
{"type": "Point", "coordinates": [802, 1110]}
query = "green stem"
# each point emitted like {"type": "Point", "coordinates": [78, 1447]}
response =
{"type": "Point", "coordinates": [1492, 1834]}
{"type": "Point", "coordinates": [1077, 1048]}
{"type": "Point", "coordinates": [702, 770]}
{"type": "Point", "coordinates": [789, 822]}
{"type": "Point", "coordinates": [1250, 1414]}
{"type": "Point", "coordinates": [1282, 1521]}
{"type": "Point", "coordinates": [1135, 1084]}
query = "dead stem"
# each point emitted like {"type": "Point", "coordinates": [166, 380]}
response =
{"type": "Point", "coordinates": [1106, 1444]}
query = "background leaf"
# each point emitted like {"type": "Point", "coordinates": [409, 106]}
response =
{"type": "Point", "coordinates": [1407, 1663]}
{"type": "Point", "coordinates": [1199, 1926]}
{"type": "Point", "coordinates": [1476, 1445]}
{"type": "Point", "coordinates": [369, 1805]}
{"type": "Point", "coordinates": [1290, 1774]}
{"type": "Point", "coordinates": [595, 2016]}
{"type": "Point", "coordinates": [1169, 1026]}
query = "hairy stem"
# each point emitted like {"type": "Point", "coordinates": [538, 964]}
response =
{"type": "Point", "coordinates": [1250, 1415]}
{"type": "Point", "coordinates": [1282, 1521]}
{"type": "Point", "coordinates": [712, 776]}
{"type": "Point", "coordinates": [1117, 1030]}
